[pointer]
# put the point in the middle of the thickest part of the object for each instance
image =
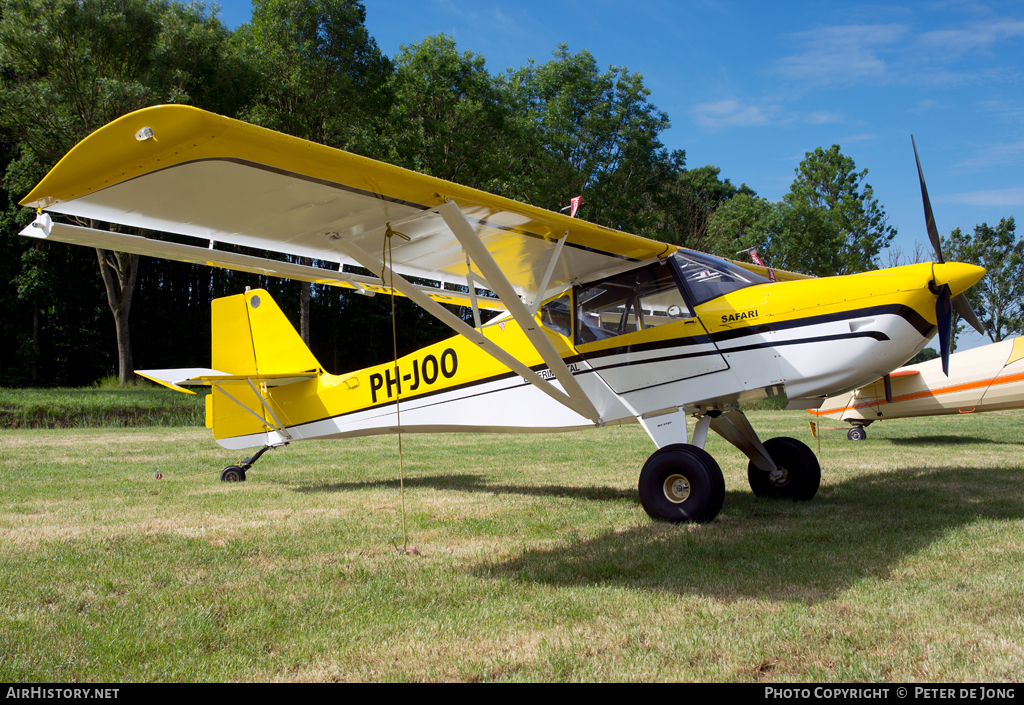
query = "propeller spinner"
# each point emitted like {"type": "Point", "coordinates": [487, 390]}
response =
{"type": "Point", "coordinates": [944, 304]}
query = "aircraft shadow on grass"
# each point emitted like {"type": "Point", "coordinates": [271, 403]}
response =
{"type": "Point", "coordinates": [478, 483]}
{"type": "Point", "coordinates": [757, 548]}
{"type": "Point", "coordinates": [944, 440]}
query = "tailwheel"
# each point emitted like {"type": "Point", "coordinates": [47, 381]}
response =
{"type": "Point", "coordinates": [232, 473]}
{"type": "Point", "coordinates": [681, 482]}
{"type": "Point", "coordinates": [857, 434]}
{"type": "Point", "coordinates": [797, 474]}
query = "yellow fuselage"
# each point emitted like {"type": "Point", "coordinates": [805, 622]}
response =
{"type": "Point", "coordinates": [810, 337]}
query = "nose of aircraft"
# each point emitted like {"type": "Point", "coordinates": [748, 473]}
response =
{"type": "Point", "coordinates": [957, 275]}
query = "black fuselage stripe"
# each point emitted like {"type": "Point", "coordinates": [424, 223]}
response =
{"type": "Point", "coordinates": [907, 313]}
{"type": "Point", "coordinates": [466, 385]}
{"type": "Point", "coordinates": [912, 317]}
{"type": "Point", "coordinates": [743, 348]}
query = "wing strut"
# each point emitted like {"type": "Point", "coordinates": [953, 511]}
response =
{"type": "Point", "coordinates": [573, 397]}
{"type": "Point", "coordinates": [543, 288]}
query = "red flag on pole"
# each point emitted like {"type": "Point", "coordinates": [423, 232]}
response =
{"type": "Point", "coordinates": [758, 262]}
{"type": "Point", "coordinates": [575, 206]}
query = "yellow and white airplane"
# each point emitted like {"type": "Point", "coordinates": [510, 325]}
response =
{"type": "Point", "coordinates": [598, 326]}
{"type": "Point", "coordinates": [986, 378]}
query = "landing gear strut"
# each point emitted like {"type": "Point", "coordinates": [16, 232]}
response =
{"type": "Point", "coordinates": [236, 473]}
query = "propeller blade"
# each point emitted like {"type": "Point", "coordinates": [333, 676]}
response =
{"type": "Point", "coordinates": [944, 319]}
{"type": "Point", "coordinates": [963, 307]}
{"type": "Point", "coordinates": [929, 219]}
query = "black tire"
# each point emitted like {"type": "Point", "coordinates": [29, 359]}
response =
{"type": "Point", "coordinates": [801, 474]}
{"type": "Point", "coordinates": [681, 482]}
{"type": "Point", "coordinates": [232, 473]}
{"type": "Point", "coordinates": [857, 434]}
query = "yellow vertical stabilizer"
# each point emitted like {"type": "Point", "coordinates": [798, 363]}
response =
{"type": "Point", "coordinates": [251, 336]}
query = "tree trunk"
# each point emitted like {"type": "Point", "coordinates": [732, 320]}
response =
{"type": "Point", "coordinates": [119, 271]}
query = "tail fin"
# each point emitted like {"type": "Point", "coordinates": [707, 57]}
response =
{"type": "Point", "coordinates": [251, 336]}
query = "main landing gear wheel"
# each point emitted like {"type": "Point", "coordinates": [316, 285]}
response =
{"type": "Point", "coordinates": [681, 482]}
{"type": "Point", "coordinates": [798, 474]}
{"type": "Point", "coordinates": [857, 434]}
{"type": "Point", "coordinates": [232, 473]}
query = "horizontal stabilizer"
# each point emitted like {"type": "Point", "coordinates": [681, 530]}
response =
{"type": "Point", "coordinates": [177, 379]}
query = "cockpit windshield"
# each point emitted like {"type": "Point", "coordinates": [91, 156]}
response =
{"type": "Point", "coordinates": [708, 277]}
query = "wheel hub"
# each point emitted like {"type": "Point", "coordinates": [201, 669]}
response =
{"type": "Point", "coordinates": [677, 489]}
{"type": "Point", "coordinates": [779, 476]}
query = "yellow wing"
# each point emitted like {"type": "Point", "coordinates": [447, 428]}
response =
{"type": "Point", "coordinates": [182, 170]}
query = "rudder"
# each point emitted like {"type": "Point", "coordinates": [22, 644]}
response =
{"type": "Point", "coordinates": [250, 335]}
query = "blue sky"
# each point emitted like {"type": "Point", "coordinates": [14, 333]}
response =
{"type": "Point", "coordinates": [751, 87]}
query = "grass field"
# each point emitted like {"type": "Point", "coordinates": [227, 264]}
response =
{"type": "Point", "coordinates": [534, 560]}
{"type": "Point", "coordinates": [141, 405]}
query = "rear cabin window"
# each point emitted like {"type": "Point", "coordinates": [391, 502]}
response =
{"type": "Point", "coordinates": [629, 302]}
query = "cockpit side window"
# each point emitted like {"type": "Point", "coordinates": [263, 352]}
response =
{"type": "Point", "coordinates": [557, 315]}
{"type": "Point", "coordinates": [706, 277]}
{"type": "Point", "coordinates": [629, 302]}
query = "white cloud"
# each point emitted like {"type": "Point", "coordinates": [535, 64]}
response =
{"type": "Point", "coordinates": [994, 155]}
{"type": "Point", "coordinates": [823, 117]}
{"type": "Point", "coordinates": [852, 139]}
{"type": "Point", "coordinates": [925, 106]}
{"type": "Point", "coordinates": [951, 43]}
{"type": "Point", "coordinates": [848, 55]}
{"type": "Point", "coordinates": [731, 113]}
{"type": "Point", "coordinates": [996, 197]}
{"type": "Point", "coordinates": [842, 55]}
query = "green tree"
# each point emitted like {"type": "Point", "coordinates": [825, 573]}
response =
{"type": "Point", "coordinates": [925, 355]}
{"type": "Point", "coordinates": [837, 214]}
{"type": "Point", "coordinates": [597, 135]}
{"type": "Point", "coordinates": [451, 119]}
{"type": "Point", "coordinates": [71, 66]}
{"type": "Point", "coordinates": [998, 298]}
{"type": "Point", "coordinates": [829, 223]}
{"type": "Point", "coordinates": [688, 204]}
{"type": "Point", "coordinates": [322, 76]}
{"type": "Point", "coordinates": [746, 221]}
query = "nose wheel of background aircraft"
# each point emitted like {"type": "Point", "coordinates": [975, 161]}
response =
{"type": "Point", "coordinates": [681, 482]}
{"type": "Point", "coordinates": [797, 475]}
{"type": "Point", "coordinates": [857, 434]}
